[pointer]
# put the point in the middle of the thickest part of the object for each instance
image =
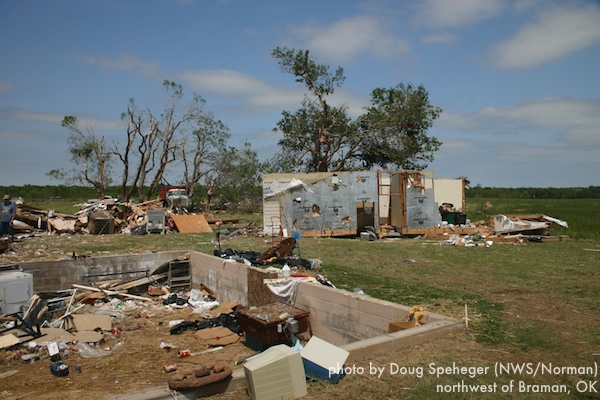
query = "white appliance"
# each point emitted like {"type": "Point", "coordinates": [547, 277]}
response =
{"type": "Point", "coordinates": [276, 374]}
{"type": "Point", "coordinates": [16, 288]}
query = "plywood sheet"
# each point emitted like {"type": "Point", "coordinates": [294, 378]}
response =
{"type": "Point", "coordinates": [191, 224]}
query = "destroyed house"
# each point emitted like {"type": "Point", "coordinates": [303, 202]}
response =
{"type": "Point", "coordinates": [347, 203]}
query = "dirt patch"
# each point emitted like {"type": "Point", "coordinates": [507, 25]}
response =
{"type": "Point", "coordinates": [139, 363]}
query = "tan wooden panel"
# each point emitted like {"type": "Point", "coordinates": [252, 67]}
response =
{"type": "Point", "coordinates": [191, 224]}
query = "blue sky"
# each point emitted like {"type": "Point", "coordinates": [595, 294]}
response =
{"type": "Point", "coordinates": [517, 81]}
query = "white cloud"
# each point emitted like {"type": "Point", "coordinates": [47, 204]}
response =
{"type": "Point", "coordinates": [458, 13]}
{"type": "Point", "coordinates": [6, 87]}
{"type": "Point", "coordinates": [99, 125]}
{"type": "Point", "coordinates": [351, 37]}
{"type": "Point", "coordinates": [250, 90]}
{"type": "Point", "coordinates": [17, 135]}
{"type": "Point", "coordinates": [574, 121]}
{"type": "Point", "coordinates": [36, 116]}
{"type": "Point", "coordinates": [557, 32]}
{"type": "Point", "coordinates": [127, 62]}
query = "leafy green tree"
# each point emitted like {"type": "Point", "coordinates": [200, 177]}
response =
{"type": "Point", "coordinates": [319, 137]}
{"type": "Point", "coordinates": [90, 155]}
{"type": "Point", "coordinates": [236, 180]}
{"type": "Point", "coordinates": [397, 123]}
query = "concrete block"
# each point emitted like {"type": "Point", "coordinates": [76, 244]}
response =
{"type": "Point", "coordinates": [382, 308]}
{"type": "Point", "coordinates": [401, 339]}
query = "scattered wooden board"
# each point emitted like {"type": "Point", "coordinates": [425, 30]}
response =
{"type": "Point", "coordinates": [191, 223]}
{"type": "Point", "coordinates": [139, 282]}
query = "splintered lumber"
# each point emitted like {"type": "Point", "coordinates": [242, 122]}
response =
{"type": "Point", "coordinates": [93, 289]}
{"type": "Point", "coordinates": [139, 282]}
{"type": "Point", "coordinates": [111, 292]}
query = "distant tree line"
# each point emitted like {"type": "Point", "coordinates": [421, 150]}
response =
{"type": "Point", "coordinates": [590, 192]}
{"type": "Point", "coordinates": [228, 197]}
{"type": "Point", "coordinates": [51, 192]}
{"type": "Point", "coordinates": [233, 198]}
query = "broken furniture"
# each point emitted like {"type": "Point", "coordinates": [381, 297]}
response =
{"type": "Point", "coordinates": [279, 251]}
{"type": "Point", "coordinates": [267, 325]}
{"type": "Point", "coordinates": [101, 224]}
{"type": "Point", "coordinates": [178, 275]}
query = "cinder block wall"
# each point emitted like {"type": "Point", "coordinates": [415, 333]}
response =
{"type": "Point", "coordinates": [230, 280]}
{"type": "Point", "coordinates": [341, 317]}
{"type": "Point", "coordinates": [61, 274]}
{"type": "Point", "coordinates": [227, 279]}
{"type": "Point", "coordinates": [337, 316]}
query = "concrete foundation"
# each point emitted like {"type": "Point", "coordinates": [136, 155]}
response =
{"type": "Point", "coordinates": [357, 323]}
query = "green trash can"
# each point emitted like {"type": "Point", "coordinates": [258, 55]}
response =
{"type": "Point", "coordinates": [450, 217]}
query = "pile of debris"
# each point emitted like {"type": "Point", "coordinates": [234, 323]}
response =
{"type": "Point", "coordinates": [518, 228]}
{"type": "Point", "coordinates": [183, 339]}
{"type": "Point", "coordinates": [110, 216]}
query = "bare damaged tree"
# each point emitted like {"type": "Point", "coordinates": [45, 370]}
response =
{"type": "Point", "coordinates": [153, 142]}
{"type": "Point", "coordinates": [90, 154]}
{"type": "Point", "coordinates": [134, 121]}
{"type": "Point", "coordinates": [202, 151]}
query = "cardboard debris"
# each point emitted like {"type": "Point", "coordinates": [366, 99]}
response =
{"type": "Point", "coordinates": [157, 290]}
{"type": "Point", "coordinates": [218, 336]}
{"type": "Point", "coordinates": [401, 325]}
{"type": "Point", "coordinates": [89, 322]}
{"type": "Point", "coordinates": [57, 335]}
{"type": "Point", "coordinates": [206, 292]}
{"type": "Point", "coordinates": [226, 307]}
{"type": "Point", "coordinates": [89, 336]}
{"type": "Point", "coordinates": [8, 340]}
